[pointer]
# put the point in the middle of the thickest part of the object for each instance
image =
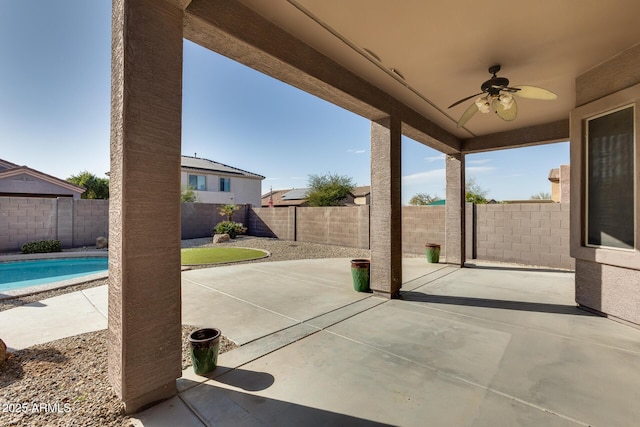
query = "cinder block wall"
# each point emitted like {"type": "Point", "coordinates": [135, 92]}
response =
{"type": "Point", "coordinates": [342, 226]}
{"type": "Point", "coordinates": [527, 233]}
{"type": "Point", "coordinates": [24, 219]}
{"type": "Point", "coordinates": [272, 222]}
{"type": "Point", "coordinates": [199, 219]}
{"type": "Point", "coordinates": [422, 225]}
{"type": "Point", "coordinates": [90, 220]}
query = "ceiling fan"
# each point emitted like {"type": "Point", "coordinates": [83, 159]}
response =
{"type": "Point", "coordinates": [497, 96]}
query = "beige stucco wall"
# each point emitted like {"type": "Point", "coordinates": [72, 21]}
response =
{"type": "Point", "coordinates": [27, 184]}
{"type": "Point", "coordinates": [243, 190]}
{"type": "Point", "coordinates": [607, 280]}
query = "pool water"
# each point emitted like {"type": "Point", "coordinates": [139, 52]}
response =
{"type": "Point", "coordinates": [22, 274]}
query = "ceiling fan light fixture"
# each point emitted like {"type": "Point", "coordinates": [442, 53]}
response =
{"type": "Point", "coordinates": [483, 104]}
{"type": "Point", "coordinates": [506, 100]}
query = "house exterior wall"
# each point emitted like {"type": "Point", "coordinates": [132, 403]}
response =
{"type": "Point", "coordinates": [243, 190]}
{"type": "Point", "coordinates": [22, 184]}
{"type": "Point", "coordinates": [607, 280]}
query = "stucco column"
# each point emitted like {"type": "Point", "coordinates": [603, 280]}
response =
{"type": "Point", "coordinates": [144, 338]}
{"type": "Point", "coordinates": [454, 223]}
{"type": "Point", "coordinates": [386, 208]}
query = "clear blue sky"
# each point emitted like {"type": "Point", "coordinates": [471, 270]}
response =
{"type": "Point", "coordinates": [54, 113]}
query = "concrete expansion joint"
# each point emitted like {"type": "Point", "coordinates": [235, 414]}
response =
{"type": "Point", "coordinates": [105, 315]}
{"type": "Point", "coordinates": [431, 279]}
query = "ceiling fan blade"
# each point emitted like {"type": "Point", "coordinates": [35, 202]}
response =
{"type": "Point", "coordinates": [510, 89]}
{"type": "Point", "coordinates": [506, 114]}
{"type": "Point", "coordinates": [473, 108]}
{"type": "Point", "coordinates": [464, 99]}
{"type": "Point", "coordinates": [533, 92]}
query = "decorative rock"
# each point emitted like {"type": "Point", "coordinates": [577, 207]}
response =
{"type": "Point", "coordinates": [102, 242]}
{"type": "Point", "coordinates": [220, 238]}
{"type": "Point", "coordinates": [3, 352]}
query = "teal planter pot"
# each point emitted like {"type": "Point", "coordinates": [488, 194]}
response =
{"type": "Point", "coordinates": [360, 274]}
{"type": "Point", "coordinates": [205, 345]}
{"type": "Point", "coordinates": [432, 250]}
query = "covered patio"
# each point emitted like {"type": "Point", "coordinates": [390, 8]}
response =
{"type": "Point", "coordinates": [399, 66]}
{"type": "Point", "coordinates": [487, 345]}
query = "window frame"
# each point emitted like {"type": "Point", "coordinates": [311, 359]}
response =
{"type": "Point", "coordinates": [189, 175]}
{"type": "Point", "coordinates": [621, 257]}
{"type": "Point", "coordinates": [222, 187]}
{"type": "Point", "coordinates": [587, 174]}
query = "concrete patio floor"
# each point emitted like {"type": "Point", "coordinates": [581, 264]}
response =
{"type": "Point", "coordinates": [484, 346]}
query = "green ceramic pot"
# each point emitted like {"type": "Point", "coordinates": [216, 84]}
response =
{"type": "Point", "coordinates": [205, 345]}
{"type": "Point", "coordinates": [432, 251]}
{"type": "Point", "coordinates": [360, 274]}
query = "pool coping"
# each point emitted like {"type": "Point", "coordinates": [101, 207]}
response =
{"type": "Point", "coordinates": [13, 293]}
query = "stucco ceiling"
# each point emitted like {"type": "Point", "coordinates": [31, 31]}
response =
{"type": "Point", "coordinates": [429, 54]}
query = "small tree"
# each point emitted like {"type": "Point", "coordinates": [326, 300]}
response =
{"type": "Point", "coordinates": [228, 210]}
{"type": "Point", "coordinates": [96, 188]}
{"type": "Point", "coordinates": [329, 189]}
{"type": "Point", "coordinates": [422, 199]}
{"type": "Point", "coordinates": [541, 196]}
{"type": "Point", "coordinates": [188, 194]}
{"type": "Point", "coordinates": [475, 193]}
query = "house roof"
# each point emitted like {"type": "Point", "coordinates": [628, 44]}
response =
{"type": "Point", "coordinates": [7, 165]}
{"type": "Point", "coordinates": [19, 170]}
{"type": "Point", "coordinates": [296, 194]}
{"type": "Point", "coordinates": [361, 191]}
{"type": "Point", "coordinates": [197, 163]}
{"type": "Point", "coordinates": [277, 196]}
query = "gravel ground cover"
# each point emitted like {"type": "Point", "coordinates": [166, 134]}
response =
{"type": "Point", "coordinates": [64, 382]}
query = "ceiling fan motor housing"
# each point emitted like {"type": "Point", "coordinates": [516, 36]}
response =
{"type": "Point", "coordinates": [495, 85]}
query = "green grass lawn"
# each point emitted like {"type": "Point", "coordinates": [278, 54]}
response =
{"type": "Point", "coordinates": [195, 256]}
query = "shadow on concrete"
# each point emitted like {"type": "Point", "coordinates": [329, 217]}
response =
{"type": "Point", "coordinates": [216, 406]}
{"type": "Point", "coordinates": [9, 301]}
{"type": "Point", "coordinates": [494, 303]}
{"type": "Point", "coordinates": [246, 380]}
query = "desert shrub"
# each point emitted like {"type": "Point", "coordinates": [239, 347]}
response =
{"type": "Point", "coordinates": [41, 246]}
{"type": "Point", "coordinates": [229, 227]}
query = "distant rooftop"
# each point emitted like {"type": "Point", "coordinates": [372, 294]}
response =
{"type": "Point", "coordinates": [296, 194]}
{"type": "Point", "coordinates": [211, 166]}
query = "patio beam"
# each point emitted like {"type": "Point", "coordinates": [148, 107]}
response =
{"type": "Point", "coordinates": [547, 133]}
{"type": "Point", "coordinates": [232, 29]}
{"type": "Point", "coordinates": [144, 333]}
{"type": "Point", "coordinates": [386, 207]}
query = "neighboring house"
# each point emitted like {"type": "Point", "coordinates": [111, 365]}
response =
{"type": "Point", "coordinates": [21, 181]}
{"type": "Point", "coordinates": [285, 198]}
{"type": "Point", "coordinates": [298, 197]}
{"type": "Point", "coordinates": [560, 182]}
{"type": "Point", "coordinates": [215, 182]}
{"type": "Point", "coordinates": [362, 195]}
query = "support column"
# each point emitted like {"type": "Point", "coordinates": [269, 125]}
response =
{"type": "Point", "coordinates": [144, 333]}
{"type": "Point", "coordinates": [386, 208]}
{"type": "Point", "coordinates": [454, 223]}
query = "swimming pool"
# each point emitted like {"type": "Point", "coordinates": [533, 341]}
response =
{"type": "Point", "coordinates": [22, 274]}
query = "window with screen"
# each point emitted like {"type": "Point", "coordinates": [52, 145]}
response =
{"type": "Point", "coordinates": [610, 190]}
{"type": "Point", "coordinates": [198, 182]}
{"type": "Point", "coordinates": [225, 184]}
